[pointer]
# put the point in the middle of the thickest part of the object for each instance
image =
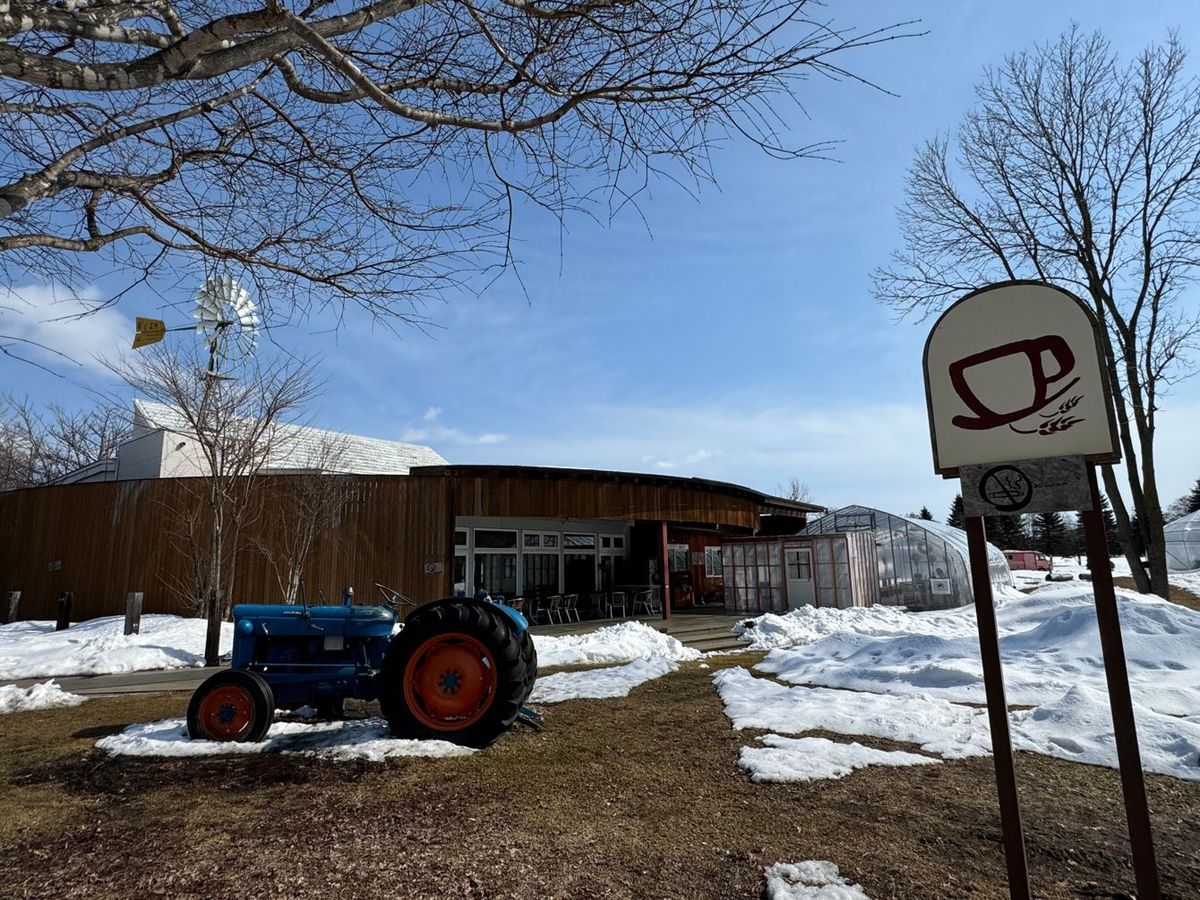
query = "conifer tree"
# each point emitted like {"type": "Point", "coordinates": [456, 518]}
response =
{"type": "Point", "coordinates": [1193, 498]}
{"type": "Point", "coordinates": [927, 516]}
{"type": "Point", "coordinates": [1050, 533]}
{"type": "Point", "coordinates": [956, 517]}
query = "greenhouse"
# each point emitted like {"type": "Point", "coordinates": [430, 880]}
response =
{"type": "Point", "coordinates": [922, 564]}
{"type": "Point", "coordinates": [1183, 543]}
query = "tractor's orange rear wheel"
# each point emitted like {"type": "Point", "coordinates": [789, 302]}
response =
{"type": "Point", "coordinates": [458, 671]}
{"type": "Point", "coordinates": [450, 681]}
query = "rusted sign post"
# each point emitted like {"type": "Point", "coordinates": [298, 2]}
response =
{"type": "Point", "coordinates": [1020, 408]}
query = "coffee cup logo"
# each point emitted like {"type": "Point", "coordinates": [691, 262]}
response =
{"type": "Point", "coordinates": [1044, 388]}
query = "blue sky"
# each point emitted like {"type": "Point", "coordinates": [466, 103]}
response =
{"type": "Point", "coordinates": [729, 336]}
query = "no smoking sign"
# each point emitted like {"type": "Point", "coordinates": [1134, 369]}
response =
{"type": "Point", "coordinates": [1055, 484]}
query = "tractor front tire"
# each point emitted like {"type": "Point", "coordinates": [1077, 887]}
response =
{"type": "Point", "coordinates": [459, 671]}
{"type": "Point", "coordinates": [233, 705]}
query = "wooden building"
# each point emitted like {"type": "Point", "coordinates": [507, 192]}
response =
{"type": "Point", "coordinates": [428, 534]}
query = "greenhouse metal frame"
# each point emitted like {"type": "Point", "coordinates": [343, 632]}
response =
{"type": "Point", "coordinates": [922, 564]}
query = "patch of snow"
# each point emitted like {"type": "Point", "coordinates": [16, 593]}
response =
{"type": "Point", "coordinates": [47, 695]}
{"type": "Point", "coordinates": [1189, 581]}
{"type": "Point", "coordinates": [612, 644]}
{"type": "Point", "coordinates": [1078, 727]}
{"type": "Point", "coordinates": [600, 684]}
{"type": "Point", "coordinates": [814, 879]}
{"type": "Point", "coordinates": [351, 739]}
{"type": "Point", "coordinates": [950, 730]}
{"type": "Point", "coordinates": [808, 623]}
{"type": "Point", "coordinates": [34, 649]}
{"type": "Point", "coordinates": [785, 759]}
{"type": "Point", "coordinates": [1049, 642]}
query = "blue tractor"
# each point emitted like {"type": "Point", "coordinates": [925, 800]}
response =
{"type": "Point", "coordinates": [457, 669]}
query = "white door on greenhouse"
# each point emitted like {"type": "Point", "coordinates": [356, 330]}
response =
{"type": "Point", "coordinates": [800, 588]}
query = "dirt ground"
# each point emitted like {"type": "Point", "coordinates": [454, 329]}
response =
{"type": "Point", "coordinates": [632, 798]}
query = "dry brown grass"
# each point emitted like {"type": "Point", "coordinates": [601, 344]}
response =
{"type": "Point", "coordinates": [632, 798]}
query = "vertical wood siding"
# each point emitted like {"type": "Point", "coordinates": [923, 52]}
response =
{"type": "Point", "coordinates": [107, 539]}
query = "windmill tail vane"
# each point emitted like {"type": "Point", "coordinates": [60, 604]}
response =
{"type": "Point", "coordinates": [224, 317]}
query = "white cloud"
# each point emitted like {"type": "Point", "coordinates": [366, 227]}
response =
{"type": "Point", "coordinates": [431, 413]}
{"type": "Point", "coordinates": [688, 459]}
{"type": "Point", "coordinates": [50, 322]}
{"type": "Point", "coordinates": [446, 435]}
{"type": "Point", "coordinates": [873, 454]}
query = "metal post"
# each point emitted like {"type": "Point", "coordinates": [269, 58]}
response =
{"type": "Point", "coordinates": [993, 683]}
{"type": "Point", "coordinates": [665, 565]}
{"type": "Point", "coordinates": [1137, 812]}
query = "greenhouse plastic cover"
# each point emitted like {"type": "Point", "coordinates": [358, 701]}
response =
{"type": "Point", "coordinates": [1183, 543]}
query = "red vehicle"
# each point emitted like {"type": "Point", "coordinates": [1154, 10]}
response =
{"type": "Point", "coordinates": [1033, 560]}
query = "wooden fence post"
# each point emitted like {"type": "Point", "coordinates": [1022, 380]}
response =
{"type": "Point", "coordinates": [133, 612]}
{"type": "Point", "coordinates": [14, 601]}
{"type": "Point", "coordinates": [63, 622]}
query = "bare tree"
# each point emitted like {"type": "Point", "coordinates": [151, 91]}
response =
{"type": "Point", "coordinates": [1082, 172]}
{"type": "Point", "coordinates": [230, 427]}
{"type": "Point", "coordinates": [797, 490]}
{"type": "Point", "coordinates": [298, 510]}
{"type": "Point", "coordinates": [369, 153]}
{"type": "Point", "coordinates": [41, 446]}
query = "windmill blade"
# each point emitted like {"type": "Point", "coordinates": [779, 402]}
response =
{"type": "Point", "coordinates": [226, 315]}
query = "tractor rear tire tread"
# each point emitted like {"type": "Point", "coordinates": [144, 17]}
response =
{"type": "Point", "coordinates": [512, 651]}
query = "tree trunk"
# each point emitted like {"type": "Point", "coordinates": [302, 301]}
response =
{"type": "Point", "coordinates": [1141, 579]}
{"type": "Point", "coordinates": [212, 636]}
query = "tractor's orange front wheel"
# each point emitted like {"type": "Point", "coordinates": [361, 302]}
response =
{"type": "Point", "coordinates": [450, 681]}
{"type": "Point", "coordinates": [234, 705]}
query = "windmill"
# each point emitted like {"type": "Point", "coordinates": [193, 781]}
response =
{"type": "Point", "coordinates": [225, 317]}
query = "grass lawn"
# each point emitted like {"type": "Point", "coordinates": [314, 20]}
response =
{"type": "Point", "coordinates": [632, 798]}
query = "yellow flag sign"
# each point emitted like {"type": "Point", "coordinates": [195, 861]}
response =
{"type": "Point", "coordinates": [148, 331]}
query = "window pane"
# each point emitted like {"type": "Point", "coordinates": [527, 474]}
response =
{"type": "Point", "coordinates": [495, 539]}
{"type": "Point", "coordinates": [496, 573]}
{"type": "Point", "coordinates": [541, 573]}
{"type": "Point", "coordinates": [549, 540]}
{"type": "Point", "coordinates": [579, 540]}
{"type": "Point", "coordinates": [712, 562]}
{"type": "Point", "coordinates": [533, 540]}
{"type": "Point", "coordinates": [460, 574]}
{"type": "Point", "coordinates": [460, 537]}
{"type": "Point", "coordinates": [619, 543]}
{"type": "Point", "coordinates": [606, 541]}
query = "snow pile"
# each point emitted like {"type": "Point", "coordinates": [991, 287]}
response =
{"type": "Point", "coordinates": [1078, 727]}
{"type": "Point", "coordinates": [99, 646]}
{"type": "Point", "coordinates": [600, 684]}
{"type": "Point", "coordinates": [911, 685]}
{"type": "Point", "coordinates": [613, 644]}
{"type": "Point", "coordinates": [814, 879]}
{"type": "Point", "coordinates": [367, 739]}
{"type": "Point", "coordinates": [947, 729]}
{"type": "Point", "coordinates": [808, 623]}
{"type": "Point", "coordinates": [1049, 642]}
{"type": "Point", "coordinates": [807, 759]}
{"type": "Point", "coordinates": [46, 695]}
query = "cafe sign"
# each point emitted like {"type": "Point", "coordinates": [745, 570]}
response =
{"type": "Point", "coordinates": [1013, 372]}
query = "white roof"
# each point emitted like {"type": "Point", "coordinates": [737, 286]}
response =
{"type": "Point", "coordinates": [302, 447]}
